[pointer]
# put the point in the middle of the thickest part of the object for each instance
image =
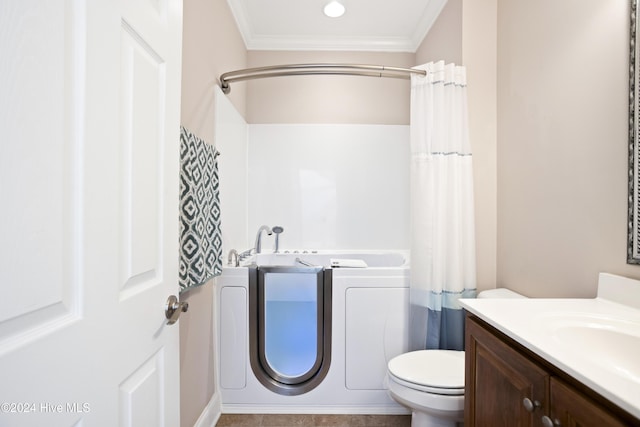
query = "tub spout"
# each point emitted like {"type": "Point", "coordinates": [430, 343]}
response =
{"type": "Point", "coordinates": [258, 245]}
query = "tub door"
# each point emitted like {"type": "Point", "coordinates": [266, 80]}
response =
{"type": "Point", "coordinates": [290, 327]}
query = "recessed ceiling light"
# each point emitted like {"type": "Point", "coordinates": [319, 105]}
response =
{"type": "Point", "coordinates": [334, 9]}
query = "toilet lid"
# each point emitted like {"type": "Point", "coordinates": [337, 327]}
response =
{"type": "Point", "coordinates": [438, 370]}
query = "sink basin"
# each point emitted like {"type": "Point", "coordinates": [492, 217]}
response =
{"type": "Point", "coordinates": [611, 342]}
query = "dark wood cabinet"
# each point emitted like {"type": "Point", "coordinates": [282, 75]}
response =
{"type": "Point", "coordinates": [571, 408]}
{"type": "Point", "coordinates": [508, 386]}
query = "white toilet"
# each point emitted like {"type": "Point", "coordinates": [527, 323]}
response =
{"type": "Point", "coordinates": [431, 382]}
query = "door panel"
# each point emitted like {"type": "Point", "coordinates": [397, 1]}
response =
{"type": "Point", "coordinates": [498, 380]}
{"type": "Point", "coordinates": [37, 167]}
{"type": "Point", "coordinates": [372, 341]}
{"type": "Point", "coordinates": [141, 394]}
{"type": "Point", "coordinates": [141, 144]}
{"type": "Point", "coordinates": [233, 337]}
{"type": "Point", "coordinates": [573, 409]}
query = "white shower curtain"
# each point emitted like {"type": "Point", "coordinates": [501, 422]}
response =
{"type": "Point", "coordinates": [442, 219]}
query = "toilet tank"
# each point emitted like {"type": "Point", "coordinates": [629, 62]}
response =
{"type": "Point", "coordinates": [500, 293]}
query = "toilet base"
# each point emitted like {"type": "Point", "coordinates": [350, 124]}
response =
{"type": "Point", "coordinates": [422, 419]}
{"type": "Point", "coordinates": [428, 410]}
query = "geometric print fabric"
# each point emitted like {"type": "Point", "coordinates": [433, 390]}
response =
{"type": "Point", "coordinates": [200, 236]}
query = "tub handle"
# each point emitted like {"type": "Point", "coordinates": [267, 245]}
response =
{"type": "Point", "coordinates": [305, 263]}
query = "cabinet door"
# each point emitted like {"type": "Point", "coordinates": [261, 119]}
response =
{"type": "Point", "coordinates": [569, 408]}
{"type": "Point", "coordinates": [498, 380]}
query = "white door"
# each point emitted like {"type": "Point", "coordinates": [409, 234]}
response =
{"type": "Point", "coordinates": [89, 128]}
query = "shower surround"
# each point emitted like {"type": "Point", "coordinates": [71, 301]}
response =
{"type": "Point", "coordinates": [342, 188]}
{"type": "Point", "coordinates": [331, 186]}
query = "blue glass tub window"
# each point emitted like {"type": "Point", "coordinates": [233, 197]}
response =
{"type": "Point", "coordinates": [290, 326]}
{"type": "Point", "coordinates": [290, 323]}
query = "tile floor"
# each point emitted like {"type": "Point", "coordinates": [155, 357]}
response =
{"type": "Point", "coordinates": [304, 420]}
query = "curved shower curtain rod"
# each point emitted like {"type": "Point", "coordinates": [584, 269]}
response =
{"type": "Point", "coordinates": [315, 69]}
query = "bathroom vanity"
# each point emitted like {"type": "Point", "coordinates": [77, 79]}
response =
{"type": "Point", "coordinates": [553, 362]}
{"type": "Point", "coordinates": [508, 380]}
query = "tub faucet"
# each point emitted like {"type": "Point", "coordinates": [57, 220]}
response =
{"type": "Point", "coordinates": [244, 255]}
{"type": "Point", "coordinates": [233, 254]}
{"type": "Point", "coordinates": [258, 246]}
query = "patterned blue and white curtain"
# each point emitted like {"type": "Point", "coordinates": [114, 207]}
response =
{"type": "Point", "coordinates": [442, 219]}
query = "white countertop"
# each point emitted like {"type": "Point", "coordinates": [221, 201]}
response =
{"type": "Point", "coordinates": [596, 341]}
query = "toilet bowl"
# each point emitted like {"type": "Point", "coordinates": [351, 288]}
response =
{"type": "Point", "coordinates": [431, 382]}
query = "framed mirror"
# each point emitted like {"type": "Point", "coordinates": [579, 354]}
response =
{"type": "Point", "coordinates": [633, 220]}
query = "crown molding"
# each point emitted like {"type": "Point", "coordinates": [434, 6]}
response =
{"type": "Point", "coordinates": [240, 16]}
{"type": "Point", "coordinates": [302, 43]}
{"type": "Point", "coordinates": [431, 14]}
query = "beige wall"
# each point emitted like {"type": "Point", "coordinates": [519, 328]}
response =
{"type": "Point", "coordinates": [562, 154]}
{"type": "Point", "coordinates": [211, 46]}
{"type": "Point", "coordinates": [328, 99]}
{"type": "Point", "coordinates": [444, 39]}
{"type": "Point", "coordinates": [479, 58]}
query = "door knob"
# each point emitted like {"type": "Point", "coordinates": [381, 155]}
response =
{"type": "Point", "coordinates": [173, 309]}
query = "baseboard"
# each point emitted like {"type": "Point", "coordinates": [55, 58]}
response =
{"type": "Point", "coordinates": [312, 409]}
{"type": "Point", "coordinates": [211, 413]}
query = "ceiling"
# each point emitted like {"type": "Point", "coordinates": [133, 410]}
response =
{"type": "Point", "coordinates": [367, 25]}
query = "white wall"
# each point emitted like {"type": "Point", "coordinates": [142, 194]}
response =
{"type": "Point", "coordinates": [231, 142]}
{"type": "Point", "coordinates": [330, 186]}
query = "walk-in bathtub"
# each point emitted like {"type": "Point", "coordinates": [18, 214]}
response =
{"type": "Point", "coordinates": [360, 315]}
